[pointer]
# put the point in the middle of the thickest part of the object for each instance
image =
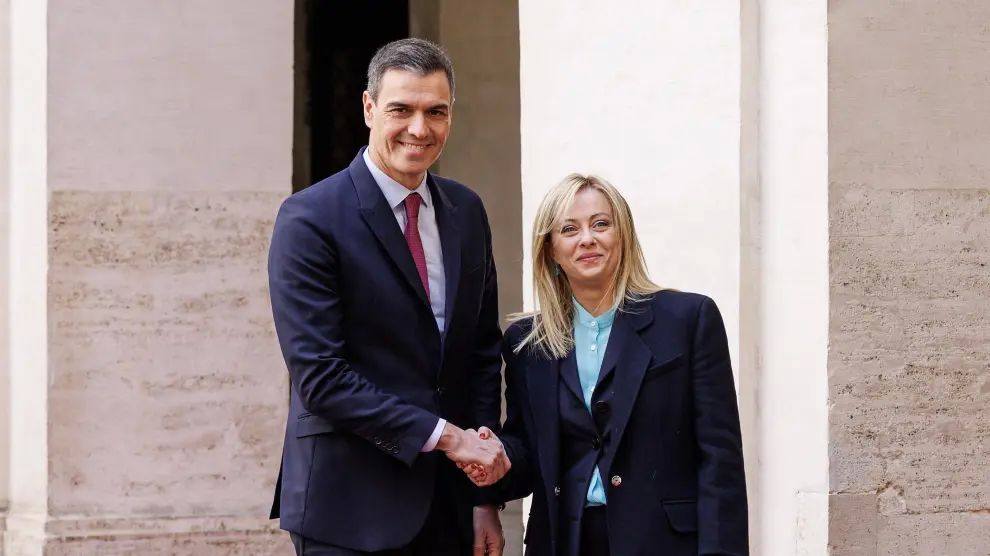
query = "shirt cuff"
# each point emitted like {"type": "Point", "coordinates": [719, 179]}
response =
{"type": "Point", "coordinates": [431, 443]}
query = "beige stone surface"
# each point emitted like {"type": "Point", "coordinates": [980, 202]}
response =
{"type": "Point", "coordinates": [167, 142]}
{"type": "Point", "coordinates": [853, 530]}
{"type": "Point", "coordinates": [182, 94]}
{"type": "Point", "coordinates": [221, 543]}
{"type": "Point", "coordinates": [908, 84]}
{"type": "Point", "coordinates": [483, 151]}
{"type": "Point", "coordinates": [909, 361]}
{"type": "Point", "coordinates": [168, 392]}
{"type": "Point", "coordinates": [949, 534]}
{"type": "Point", "coordinates": [910, 358]}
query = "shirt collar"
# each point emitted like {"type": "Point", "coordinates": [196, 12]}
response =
{"type": "Point", "coordinates": [582, 316]}
{"type": "Point", "coordinates": [395, 193]}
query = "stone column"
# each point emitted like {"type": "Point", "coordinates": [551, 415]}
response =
{"type": "Point", "coordinates": [28, 255]}
{"type": "Point", "coordinates": [4, 264]}
{"type": "Point", "coordinates": [711, 118]}
{"type": "Point", "coordinates": [792, 398]}
{"type": "Point", "coordinates": [909, 217]}
{"type": "Point", "coordinates": [652, 96]}
{"type": "Point", "coordinates": [151, 146]}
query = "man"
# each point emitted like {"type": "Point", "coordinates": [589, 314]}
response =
{"type": "Point", "coordinates": [384, 296]}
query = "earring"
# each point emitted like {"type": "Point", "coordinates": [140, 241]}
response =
{"type": "Point", "coordinates": [556, 270]}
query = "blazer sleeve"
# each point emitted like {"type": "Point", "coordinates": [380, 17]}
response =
{"type": "Point", "coordinates": [722, 518]}
{"type": "Point", "coordinates": [518, 483]}
{"type": "Point", "coordinates": [302, 274]}
{"type": "Point", "coordinates": [486, 360]}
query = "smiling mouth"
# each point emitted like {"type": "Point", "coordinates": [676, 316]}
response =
{"type": "Point", "coordinates": [586, 258]}
{"type": "Point", "coordinates": [414, 146]}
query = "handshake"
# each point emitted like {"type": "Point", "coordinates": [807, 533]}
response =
{"type": "Point", "coordinates": [478, 453]}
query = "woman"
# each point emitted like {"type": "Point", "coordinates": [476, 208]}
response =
{"type": "Point", "coordinates": [622, 415]}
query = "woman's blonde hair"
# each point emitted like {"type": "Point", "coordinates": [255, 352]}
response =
{"type": "Point", "coordinates": [552, 331]}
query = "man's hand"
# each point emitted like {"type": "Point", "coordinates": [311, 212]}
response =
{"type": "Point", "coordinates": [478, 474]}
{"type": "Point", "coordinates": [488, 538]}
{"type": "Point", "coordinates": [480, 454]}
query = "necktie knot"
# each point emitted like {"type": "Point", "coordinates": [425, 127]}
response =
{"type": "Point", "coordinates": [412, 202]}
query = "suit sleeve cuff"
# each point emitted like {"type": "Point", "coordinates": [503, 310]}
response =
{"type": "Point", "coordinates": [431, 443]}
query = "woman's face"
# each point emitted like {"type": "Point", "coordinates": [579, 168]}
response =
{"type": "Point", "coordinates": [585, 242]}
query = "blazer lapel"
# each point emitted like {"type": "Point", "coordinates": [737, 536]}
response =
{"type": "Point", "coordinates": [450, 244]}
{"type": "Point", "coordinates": [380, 219]}
{"type": "Point", "coordinates": [569, 375]}
{"type": "Point", "coordinates": [628, 357]}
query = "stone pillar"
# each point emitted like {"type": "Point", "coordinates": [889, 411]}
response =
{"type": "Point", "coordinates": [482, 39]}
{"type": "Point", "coordinates": [151, 145]}
{"type": "Point", "coordinates": [711, 118]}
{"type": "Point", "coordinates": [28, 253]}
{"type": "Point", "coordinates": [792, 401]}
{"type": "Point", "coordinates": [909, 217]}
{"type": "Point", "coordinates": [652, 97]}
{"type": "Point", "coordinates": [4, 264]}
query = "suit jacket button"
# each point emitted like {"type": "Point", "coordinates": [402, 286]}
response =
{"type": "Point", "coordinates": [556, 491]}
{"type": "Point", "coordinates": [596, 443]}
{"type": "Point", "coordinates": [616, 480]}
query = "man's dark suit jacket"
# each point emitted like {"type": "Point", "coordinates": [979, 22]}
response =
{"type": "Point", "coordinates": [663, 429]}
{"type": "Point", "coordinates": [370, 373]}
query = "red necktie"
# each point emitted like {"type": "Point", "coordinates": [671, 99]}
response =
{"type": "Point", "coordinates": [413, 240]}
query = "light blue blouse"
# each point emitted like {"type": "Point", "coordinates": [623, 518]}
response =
{"type": "Point", "coordinates": [590, 339]}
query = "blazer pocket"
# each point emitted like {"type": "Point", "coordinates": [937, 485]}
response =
{"type": "Point", "coordinates": [682, 515]}
{"type": "Point", "coordinates": [663, 368]}
{"type": "Point", "coordinates": [309, 424]}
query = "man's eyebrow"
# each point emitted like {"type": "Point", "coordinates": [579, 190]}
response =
{"type": "Point", "coordinates": [397, 104]}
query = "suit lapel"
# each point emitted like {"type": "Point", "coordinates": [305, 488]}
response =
{"type": "Point", "coordinates": [569, 375]}
{"type": "Point", "coordinates": [628, 357]}
{"type": "Point", "coordinates": [450, 245]}
{"type": "Point", "coordinates": [380, 219]}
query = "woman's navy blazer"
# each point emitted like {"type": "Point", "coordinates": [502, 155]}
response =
{"type": "Point", "coordinates": [668, 434]}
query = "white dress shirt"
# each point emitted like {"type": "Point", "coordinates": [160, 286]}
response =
{"type": "Point", "coordinates": [395, 194]}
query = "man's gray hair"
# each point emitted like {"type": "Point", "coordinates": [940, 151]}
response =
{"type": "Point", "coordinates": [415, 55]}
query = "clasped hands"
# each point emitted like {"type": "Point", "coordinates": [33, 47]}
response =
{"type": "Point", "coordinates": [479, 454]}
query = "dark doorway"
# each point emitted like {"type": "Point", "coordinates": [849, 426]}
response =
{"type": "Point", "coordinates": [334, 43]}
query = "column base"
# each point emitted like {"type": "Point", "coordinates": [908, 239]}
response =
{"type": "Point", "coordinates": [206, 536]}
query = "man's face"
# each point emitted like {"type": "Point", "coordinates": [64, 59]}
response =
{"type": "Point", "coordinates": [409, 123]}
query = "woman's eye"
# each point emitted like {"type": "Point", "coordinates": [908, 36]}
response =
{"type": "Point", "coordinates": [567, 229]}
{"type": "Point", "coordinates": [601, 224]}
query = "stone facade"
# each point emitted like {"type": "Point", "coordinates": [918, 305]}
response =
{"type": "Point", "coordinates": [167, 149]}
{"type": "Point", "coordinates": [819, 168]}
{"type": "Point", "coordinates": [909, 362]}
